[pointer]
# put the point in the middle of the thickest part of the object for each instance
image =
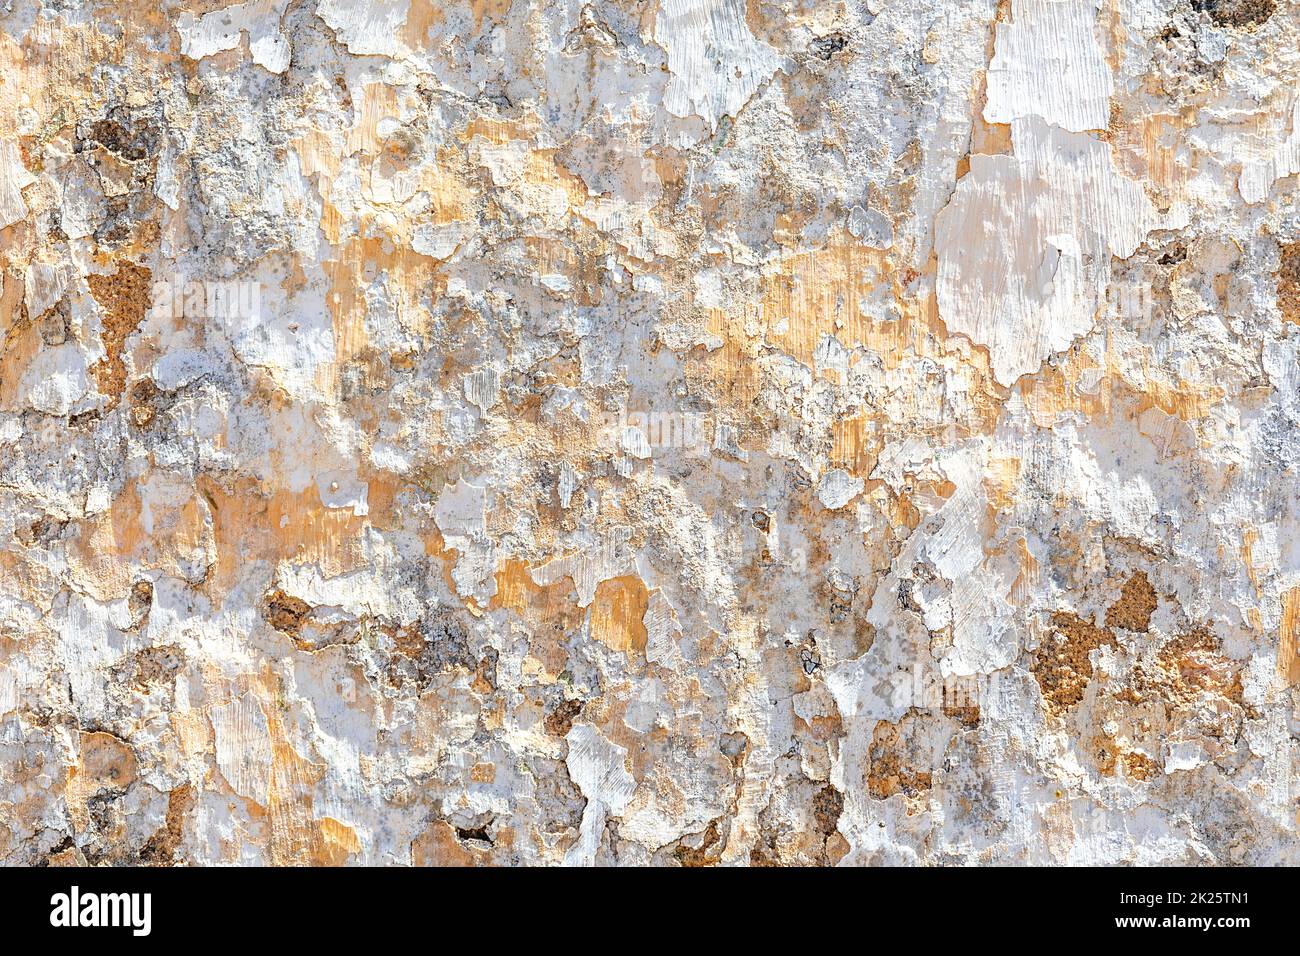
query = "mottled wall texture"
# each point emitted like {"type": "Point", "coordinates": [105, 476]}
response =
{"type": "Point", "coordinates": [649, 432]}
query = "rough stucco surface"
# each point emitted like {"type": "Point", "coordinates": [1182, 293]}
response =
{"type": "Point", "coordinates": [649, 432]}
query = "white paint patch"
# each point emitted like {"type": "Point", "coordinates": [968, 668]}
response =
{"type": "Point", "coordinates": [367, 28]}
{"type": "Point", "coordinates": [838, 488]}
{"type": "Point", "coordinates": [1258, 176]}
{"type": "Point", "coordinates": [716, 63]}
{"type": "Point", "coordinates": [221, 30]}
{"type": "Point", "coordinates": [1025, 244]}
{"type": "Point", "coordinates": [13, 178]}
{"type": "Point", "coordinates": [1047, 63]}
{"type": "Point", "coordinates": [243, 747]}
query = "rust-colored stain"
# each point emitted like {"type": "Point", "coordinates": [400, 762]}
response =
{"type": "Point", "coordinates": [1063, 664]}
{"type": "Point", "coordinates": [1136, 603]}
{"type": "Point", "coordinates": [124, 296]}
{"type": "Point", "coordinates": [1288, 645]}
{"type": "Point", "coordinates": [618, 613]}
{"type": "Point", "coordinates": [1288, 283]}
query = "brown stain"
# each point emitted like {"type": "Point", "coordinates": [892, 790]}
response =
{"type": "Point", "coordinates": [1187, 666]}
{"type": "Point", "coordinates": [1149, 147]}
{"type": "Point", "coordinates": [1111, 757]}
{"type": "Point", "coordinates": [902, 512]}
{"type": "Point", "coordinates": [104, 762]}
{"type": "Point", "coordinates": [422, 17]}
{"type": "Point", "coordinates": [1197, 665]}
{"type": "Point", "coordinates": [855, 444]}
{"type": "Point", "coordinates": [357, 263]}
{"type": "Point", "coordinates": [1062, 664]}
{"type": "Point", "coordinates": [1288, 283]}
{"type": "Point", "coordinates": [192, 732]}
{"type": "Point", "coordinates": [1180, 399]}
{"type": "Point", "coordinates": [444, 182]}
{"type": "Point", "coordinates": [617, 612]}
{"type": "Point", "coordinates": [1152, 148]}
{"type": "Point", "coordinates": [160, 849]}
{"type": "Point", "coordinates": [375, 103]}
{"type": "Point", "coordinates": [560, 720]}
{"type": "Point", "coordinates": [542, 166]}
{"type": "Point", "coordinates": [551, 613]}
{"type": "Point", "coordinates": [818, 293]}
{"type": "Point", "coordinates": [1138, 766]}
{"type": "Point", "coordinates": [806, 296]}
{"type": "Point", "coordinates": [1288, 646]}
{"type": "Point", "coordinates": [435, 546]}
{"type": "Point", "coordinates": [338, 843]}
{"type": "Point", "coordinates": [544, 169]}
{"type": "Point", "coordinates": [890, 770]}
{"type": "Point", "coordinates": [110, 543]}
{"type": "Point", "coordinates": [730, 375]}
{"type": "Point", "coordinates": [1111, 19]}
{"type": "Point", "coordinates": [1136, 603]}
{"type": "Point", "coordinates": [296, 837]}
{"type": "Point", "coordinates": [145, 399]}
{"type": "Point", "coordinates": [1105, 753]}
{"type": "Point", "coordinates": [252, 522]}
{"type": "Point", "coordinates": [125, 298]}
{"type": "Point", "coordinates": [1027, 582]}
{"type": "Point", "coordinates": [579, 262]}
{"type": "Point", "coordinates": [1001, 477]}
{"type": "Point", "coordinates": [235, 523]}
{"type": "Point", "coordinates": [438, 846]}
{"type": "Point", "coordinates": [1112, 389]}
{"type": "Point", "coordinates": [1057, 389]}
{"type": "Point", "coordinates": [1248, 539]}
{"type": "Point", "coordinates": [705, 853]}
{"type": "Point", "coordinates": [960, 701]}
{"type": "Point", "coordinates": [21, 342]}
{"type": "Point", "coordinates": [284, 612]}
{"type": "Point", "coordinates": [58, 62]}
{"type": "Point", "coordinates": [494, 10]}
{"type": "Point", "coordinates": [498, 132]}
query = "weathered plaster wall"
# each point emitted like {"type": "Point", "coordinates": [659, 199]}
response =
{"type": "Point", "coordinates": [649, 431]}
